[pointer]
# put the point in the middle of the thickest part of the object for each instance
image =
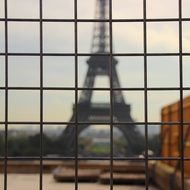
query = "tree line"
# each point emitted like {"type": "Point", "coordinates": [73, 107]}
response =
{"type": "Point", "coordinates": [23, 145]}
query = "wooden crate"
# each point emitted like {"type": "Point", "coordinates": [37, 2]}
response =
{"type": "Point", "coordinates": [170, 134]}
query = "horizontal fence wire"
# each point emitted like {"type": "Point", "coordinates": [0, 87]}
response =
{"type": "Point", "coordinates": [37, 158]}
{"type": "Point", "coordinates": [97, 54]}
{"type": "Point", "coordinates": [95, 20]}
{"type": "Point", "coordinates": [97, 89]}
{"type": "Point", "coordinates": [94, 123]}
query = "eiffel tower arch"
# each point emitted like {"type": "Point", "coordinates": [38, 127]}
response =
{"type": "Point", "coordinates": [88, 112]}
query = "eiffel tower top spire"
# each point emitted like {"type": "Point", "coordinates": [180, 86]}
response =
{"type": "Point", "coordinates": [99, 65]}
{"type": "Point", "coordinates": [100, 42]}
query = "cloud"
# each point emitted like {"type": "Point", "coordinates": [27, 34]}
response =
{"type": "Point", "coordinates": [162, 8]}
{"type": "Point", "coordinates": [58, 37]}
{"type": "Point", "coordinates": [59, 72]}
{"type": "Point", "coordinates": [2, 71]}
{"type": "Point", "coordinates": [159, 77]}
{"type": "Point", "coordinates": [23, 37]}
{"type": "Point", "coordinates": [2, 103]}
{"type": "Point", "coordinates": [186, 36]}
{"type": "Point", "coordinates": [185, 8]}
{"type": "Point", "coordinates": [2, 37]}
{"type": "Point", "coordinates": [158, 99]}
{"type": "Point", "coordinates": [131, 71]}
{"type": "Point", "coordinates": [128, 37]}
{"type": "Point", "coordinates": [58, 9]}
{"type": "Point", "coordinates": [127, 8]}
{"type": "Point", "coordinates": [163, 37]}
{"type": "Point", "coordinates": [23, 8]}
{"type": "Point", "coordinates": [58, 105]}
{"type": "Point", "coordinates": [24, 71]}
{"type": "Point", "coordinates": [24, 106]}
{"type": "Point", "coordinates": [136, 101]}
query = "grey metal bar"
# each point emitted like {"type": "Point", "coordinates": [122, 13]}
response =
{"type": "Point", "coordinates": [145, 93]}
{"type": "Point", "coordinates": [98, 89]}
{"type": "Point", "coordinates": [111, 91]}
{"type": "Point", "coordinates": [29, 158]}
{"type": "Point", "coordinates": [162, 54]}
{"type": "Point", "coordinates": [41, 94]}
{"type": "Point", "coordinates": [76, 90]}
{"type": "Point", "coordinates": [6, 95]}
{"type": "Point", "coordinates": [181, 112]}
{"type": "Point", "coordinates": [95, 20]}
{"type": "Point", "coordinates": [92, 123]}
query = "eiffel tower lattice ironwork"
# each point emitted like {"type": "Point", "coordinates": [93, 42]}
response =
{"type": "Point", "coordinates": [100, 112]}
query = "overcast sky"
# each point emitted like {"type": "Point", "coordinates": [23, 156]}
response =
{"type": "Point", "coordinates": [59, 71]}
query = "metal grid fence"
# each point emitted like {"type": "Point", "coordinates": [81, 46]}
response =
{"type": "Point", "coordinates": [76, 88]}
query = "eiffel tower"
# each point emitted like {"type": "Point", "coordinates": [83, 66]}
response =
{"type": "Point", "coordinates": [100, 112]}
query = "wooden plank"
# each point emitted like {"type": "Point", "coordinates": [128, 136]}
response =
{"type": "Point", "coordinates": [29, 166]}
{"type": "Point", "coordinates": [167, 178]}
{"type": "Point", "coordinates": [122, 178]}
{"type": "Point", "coordinates": [121, 166]}
{"type": "Point", "coordinates": [123, 172]}
{"type": "Point", "coordinates": [187, 184]}
{"type": "Point", "coordinates": [163, 176]}
{"type": "Point", "coordinates": [62, 174]}
{"type": "Point", "coordinates": [49, 166]}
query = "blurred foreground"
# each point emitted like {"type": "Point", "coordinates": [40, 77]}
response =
{"type": "Point", "coordinates": [31, 182]}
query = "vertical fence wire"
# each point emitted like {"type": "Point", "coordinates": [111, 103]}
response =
{"type": "Point", "coordinates": [41, 94]}
{"type": "Point", "coordinates": [6, 95]}
{"type": "Point", "coordinates": [145, 93]}
{"type": "Point", "coordinates": [76, 90]}
{"type": "Point", "coordinates": [181, 112]}
{"type": "Point", "coordinates": [111, 91]}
